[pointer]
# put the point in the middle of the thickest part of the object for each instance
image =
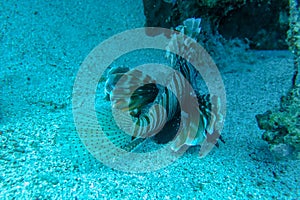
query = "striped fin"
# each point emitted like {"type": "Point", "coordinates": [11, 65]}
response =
{"type": "Point", "coordinates": [208, 129]}
{"type": "Point", "coordinates": [110, 126]}
{"type": "Point", "coordinates": [191, 27]}
{"type": "Point", "coordinates": [211, 108]}
{"type": "Point", "coordinates": [212, 131]}
{"type": "Point", "coordinates": [188, 132]}
{"type": "Point", "coordinates": [186, 137]}
{"type": "Point", "coordinates": [72, 148]}
{"type": "Point", "coordinates": [90, 132]}
{"type": "Point", "coordinates": [189, 72]}
{"type": "Point", "coordinates": [86, 143]}
{"type": "Point", "coordinates": [113, 76]}
{"type": "Point", "coordinates": [181, 44]}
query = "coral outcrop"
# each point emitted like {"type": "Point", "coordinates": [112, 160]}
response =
{"type": "Point", "coordinates": [282, 126]}
{"type": "Point", "coordinates": [262, 23]}
{"type": "Point", "coordinates": [294, 37]}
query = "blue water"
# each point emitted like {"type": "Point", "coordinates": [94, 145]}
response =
{"type": "Point", "coordinates": [43, 46]}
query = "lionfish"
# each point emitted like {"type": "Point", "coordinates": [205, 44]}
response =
{"type": "Point", "coordinates": [162, 122]}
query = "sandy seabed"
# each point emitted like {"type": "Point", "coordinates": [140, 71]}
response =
{"type": "Point", "coordinates": [43, 45]}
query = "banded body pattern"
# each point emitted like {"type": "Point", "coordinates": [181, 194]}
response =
{"type": "Point", "coordinates": [152, 105]}
{"type": "Point", "coordinates": [180, 43]}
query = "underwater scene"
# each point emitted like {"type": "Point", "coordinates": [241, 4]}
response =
{"type": "Point", "coordinates": [152, 99]}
